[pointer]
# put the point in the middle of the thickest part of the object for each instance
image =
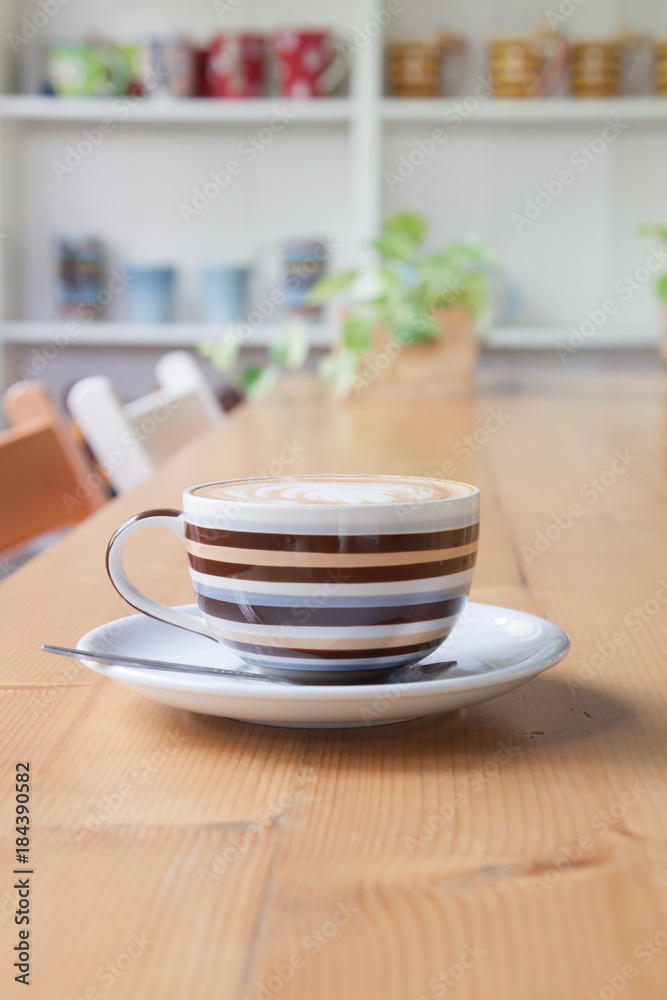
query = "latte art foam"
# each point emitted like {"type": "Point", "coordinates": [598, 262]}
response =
{"type": "Point", "coordinates": [334, 490]}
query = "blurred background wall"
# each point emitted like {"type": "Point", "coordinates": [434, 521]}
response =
{"type": "Point", "coordinates": [308, 180]}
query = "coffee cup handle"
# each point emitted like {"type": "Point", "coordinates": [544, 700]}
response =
{"type": "Point", "coordinates": [165, 518]}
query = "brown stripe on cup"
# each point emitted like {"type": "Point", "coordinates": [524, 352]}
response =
{"type": "Point", "coordinates": [332, 654]}
{"type": "Point", "coordinates": [407, 542]}
{"type": "Point", "coordinates": [320, 574]}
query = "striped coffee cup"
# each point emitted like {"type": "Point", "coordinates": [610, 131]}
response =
{"type": "Point", "coordinates": [332, 578]}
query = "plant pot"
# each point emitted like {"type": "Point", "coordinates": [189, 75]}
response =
{"type": "Point", "coordinates": [436, 367]}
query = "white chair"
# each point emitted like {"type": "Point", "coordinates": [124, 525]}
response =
{"type": "Point", "coordinates": [130, 441]}
{"type": "Point", "coordinates": [179, 372]}
{"type": "Point", "coordinates": [102, 420]}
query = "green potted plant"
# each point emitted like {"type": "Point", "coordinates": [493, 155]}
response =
{"type": "Point", "coordinates": [403, 300]}
{"type": "Point", "coordinates": [287, 355]}
{"type": "Point", "coordinates": [408, 298]}
{"type": "Point", "coordinates": [651, 229]}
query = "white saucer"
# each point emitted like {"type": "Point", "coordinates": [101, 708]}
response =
{"type": "Point", "coordinates": [495, 649]}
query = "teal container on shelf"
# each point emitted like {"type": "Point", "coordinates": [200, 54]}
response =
{"type": "Point", "coordinates": [224, 293]}
{"type": "Point", "coordinates": [150, 293]}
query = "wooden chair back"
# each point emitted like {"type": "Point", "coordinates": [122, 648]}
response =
{"type": "Point", "coordinates": [45, 483]}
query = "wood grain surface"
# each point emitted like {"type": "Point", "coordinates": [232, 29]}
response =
{"type": "Point", "coordinates": [516, 850]}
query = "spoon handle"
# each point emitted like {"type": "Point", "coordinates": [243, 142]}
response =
{"type": "Point", "coordinates": [116, 660]}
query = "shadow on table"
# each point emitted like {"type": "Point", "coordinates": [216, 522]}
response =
{"type": "Point", "coordinates": [543, 714]}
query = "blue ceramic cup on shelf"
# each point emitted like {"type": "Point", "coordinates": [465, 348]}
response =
{"type": "Point", "coordinates": [150, 293]}
{"type": "Point", "coordinates": [224, 293]}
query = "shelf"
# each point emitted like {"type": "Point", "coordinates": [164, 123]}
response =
{"type": "Point", "coordinates": [160, 335]}
{"type": "Point", "coordinates": [36, 334]}
{"type": "Point", "coordinates": [524, 110]}
{"type": "Point", "coordinates": [186, 111]}
{"type": "Point", "coordinates": [550, 337]}
{"type": "Point", "coordinates": [19, 107]}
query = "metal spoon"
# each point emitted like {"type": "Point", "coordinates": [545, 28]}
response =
{"type": "Point", "coordinates": [115, 660]}
{"type": "Point", "coordinates": [418, 672]}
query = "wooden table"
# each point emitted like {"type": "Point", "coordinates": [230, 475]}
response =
{"type": "Point", "coordinates": [178, 856]}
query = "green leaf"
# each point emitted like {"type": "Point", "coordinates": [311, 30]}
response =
{"type": "Point", "coordinates": [338, 369]}
{"type": "Point", "coordinates": [256, 381]}
{"type": "Point", "coordinates": [650, 229]}
{"type": "Point", "coordinates": [291, 350]}
{"type": "Point", "coordinates": [469, 252]}
{"type": "Point", "coordinates": [357, 334]}
{"type": "Point", "coordinates": [402, 235]}
{"type": "Point", "coordinates": [396, 245]}
{"type": "Point", "coordinates": [223, 353]}
{"type": "Point", "coordinates": [661, 288]}
{"type": "Point", "coordinates": [391, 280]}
{"type": "Point", "coordinates": [412, 225]}
{"type": "Point", "coordinates": [475, 295]}
{"type": "Point", "coordinates": [439, 283]}
{"type": "Point", "coordinates": [457, 275]}
{"type": "Point", "coordinates": [415, 325]}
{"type": "Point", "coordinates": [372, 284]}
{"type": "Point", "coordinates": [329, 286]}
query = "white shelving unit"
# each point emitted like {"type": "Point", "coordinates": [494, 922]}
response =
{"type": "Point", "coordinates": [529, 112]}
{"type": "Point", "coordinates": [167, 335]}
{"type": "Point", "coordinates": [330, 172]}
{"type": "Point", "coordinates": [336, 141]}
{"type": "Point", "coordinates": [195, 111]}
{"type": "Point", "coordinates": [185, 111]}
